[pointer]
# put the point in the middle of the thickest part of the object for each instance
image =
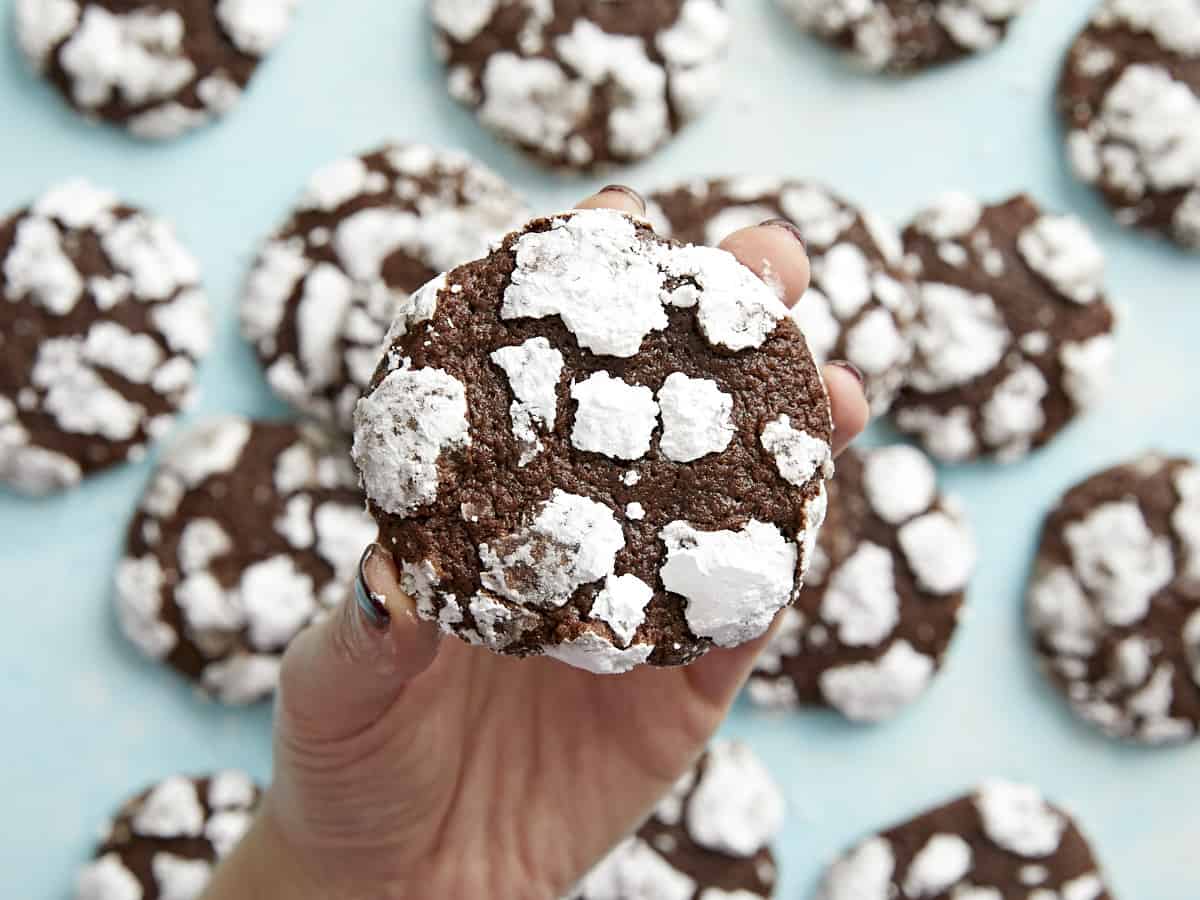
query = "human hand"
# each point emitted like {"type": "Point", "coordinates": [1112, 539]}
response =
{"type": "Point", "coordinates": [406, 768]}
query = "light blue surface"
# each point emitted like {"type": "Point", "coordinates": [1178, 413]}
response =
{"type": "Point", "coordinates": [86, 721]}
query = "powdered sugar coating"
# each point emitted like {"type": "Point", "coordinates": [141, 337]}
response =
{"type": "Point", "coordinates": [218, 592]}
{"type": "Point", "coordinates": [578, 88]}
{"type": "Point", "coordinates": [357, 255]}
{"type": "Point", "coordinates": [1001, 840]}
{"type": "Point", "coordinates": [708, 839]}
{"type": "Point", "coordinates": [1014, 336]}
{"type": "Point", "coordinates": [165, 841]}
{"type": "Point", "coordinates": [104, 303]}
{"type": "Point", "coordinates": [1111, 601]}
{"type": "Point", "coordinates": [558, 551]}
{"type": "Point", "coordinates": [904, 36]}
{"type": "Point", "coordinates": [734, 582]}
{"type": "Point", "coordinates": [1130, 97]}
{"type": "Point", "coordinates": [881, 600]}
{"type": "Point", "coordinates": [158, 70]}
{"type": "Point", "coordinates": [860, 304]}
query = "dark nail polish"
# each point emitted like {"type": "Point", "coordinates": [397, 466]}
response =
{"type": "Point", "coordinates": [787, 226]}
{"type": "Point", "coordinates": [628, 192]}
{"type": "Point", "coordinates": [851, 368]}
{"type": "Point", "coordinates": [371, 604]}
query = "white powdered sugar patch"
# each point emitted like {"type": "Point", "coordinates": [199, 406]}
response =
{"type": "Point", "coordinates": [735, 807]}
{"type": "Point", "coordinates": [622, 605]}
{"type": "Point", "coordinates": [178, 877]}
{"type": "Point", "coordinates": [1186, 519]}
{"type": "Point", "coordinates": [958, 337]}
{"type": "Point", "coordinates": [876, 690]}
{"type": "Point", "coordinates": [107, 878]}
{"type": "Point", "coordinates": [941, 551]}
{"type": "Point", "coordinates": [1088, 369]}
{"type": "Point", "coordinates": [1017, 818]}
{"type": "Point", "coordinates": [613, 417]}
{"type": "Point", "coordinates": [256, 26]}
{"type": "Point", "coordinates": [952, 215]}
{"type": "Point", "coordinates": [798, 455]}
{"type": "Point", "coordinates": [1120, 560]}
{"type": "Point", "coordinates": [401, 429]}
{"type": "Point", "coordinates": [861, 600]}
{"type": "Point", "coordinates": [865, 873]}
{"type": "Point", "coordinates": [533, 369]}
{"type": "Point", "coordinates": [696, 417]}
{"type": "Point", "coordinates": [947, 437]}
{"type": "Point", "coordinates": [938, 866]}
{"type": "Point", "coordinates": [899, 482]}
{"type": "Point", "coordinates": [573, 541]}
{"type": "Point", "coordinates": [635, 869]}
{"type": "Point", "coordinates": [1063, 251]}
{"type": "Point", "coordinates": [734, 582]}
{"type": "Point", "coordinates": [1173, 23]}
{"type": "Point", "coordinates": [171, 810]}
{"type": "Point", "coordinates": [595, 654]}
{"type": "Point", "coordinates": [1012, 415]}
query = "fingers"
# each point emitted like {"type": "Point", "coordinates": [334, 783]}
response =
{"type": "Point", "coordinates": [775, 252]}
{"type": "Point", "coordinates": [618, 197]}
{"type": "Point", "coordinates": [342, 674]}
{"type": "Point", "coordinates": [848, 402]}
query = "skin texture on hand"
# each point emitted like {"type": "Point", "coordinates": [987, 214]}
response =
{"type": "Point", "coordinates": [408, 767]}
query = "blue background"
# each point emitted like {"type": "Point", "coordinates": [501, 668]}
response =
{"type": "Point", "coordinates": [86, 720]}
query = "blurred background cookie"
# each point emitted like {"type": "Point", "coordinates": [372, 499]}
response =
{"type": "Point", "coordinates": [906, 35]}
{"type": "Point", "coordinates": [1014, 335]}
{"type": "Point", "coordinates": [599, 446]}
{"type": "Point", "coordinates": [1129, 95]}
{"type": "Point", "coordinates": [159, 69]}
{"type": "Point", "coordinates": [1115, 601]}
{"type": "Point", "coordinates": [101, 326]}
{"type": "Point", "coordinates": [1003, 840]}
{"type": "Point", "coordinates": [882, 597]}
{"type": "Point", "coordinates": [247, 532]}
{"type": "Point", "coordinates": [860, 305]}
{"type": "Point", "coordinates": [583, 83]}
{"type": "Point", "coordinates": [164, 842]}
{"type": "Point", "coordinates": [367, 233]}
{"type": "Point", "coordinates": [709, 838]}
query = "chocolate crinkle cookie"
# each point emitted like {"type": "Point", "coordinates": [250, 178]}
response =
{"type": "Point", "coordinates": [1014, 336]}
{"type": "Point", "coordinates": [101, 326]}
{"type": "Point", "coordinates": [1114, 605]}
{"type": "Point", "coordinates": [248, 532]}
{"type": "Point", "coordinates": [157, 68]}
{"type": "Point", "coordinates": [1001, 841]}
{"type": "Point", "coordinates": [882, 597]}
{"type": "Point", "coordinates": [164, 843]}
{"type": "Point", "coordinates": [583, 83]}
{"type": "Point", "coordinates": [367, 233]}
{"type": "Point", "coordinates": [1130, 99]}
{"type": "Point", "coordinates": [598, 445]}
{"type": "Point", "coordinates": [709, 838]}
{"type": "Point", "coordinates": [907, 35]}
{"type": "Point", "coordinates": [861, 303]}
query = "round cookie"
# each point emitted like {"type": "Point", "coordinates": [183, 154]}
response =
{"type": "Point", "coordinates": [164, 843]}
{"type": "Point", "coordinates": [1014, 337]}
{"type": "Point", "coordinates": [1114, 604]}
{"type": "Point", "coordinates": [1129, 96]}
{"type": "Point", "coordinates": [1003, 840]}
{"type": "Point", "coordinates": [882, 597]}
{"type": "Point", "coordinates": [101, 325]}
{"type": "Point", "coordinates": [709, 838]}
{"type": "Point", "coordinates": [367, 233]}
{"type": "Point", "coordinates": [580, 84]}
{"type": "Point", "coordinates": [860, 305]}
{"type": "Point", "coordinates": [903, 36]}
{"type": "Point", "coordinates": [598, 445]}
{"type": "Point", "coordinates": [157, 68]}
{"type": "Point", "coordinates": [247, 532]}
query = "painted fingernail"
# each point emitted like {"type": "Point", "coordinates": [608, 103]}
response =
{"type": "Point", "coordinates": [628, 192]}
{"type": "Point", "coordinates": [851, 368]}
{"type": "Point", "coordinates": [372, 604]}
{"type": "Point", "coordinates": [787, 226]}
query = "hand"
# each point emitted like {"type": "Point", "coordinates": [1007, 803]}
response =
{"type": "Point", "coordinates": [407, 768]}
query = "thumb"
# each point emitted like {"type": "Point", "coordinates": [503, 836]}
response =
{"type": "Point", "coordinates": [341, 675]}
